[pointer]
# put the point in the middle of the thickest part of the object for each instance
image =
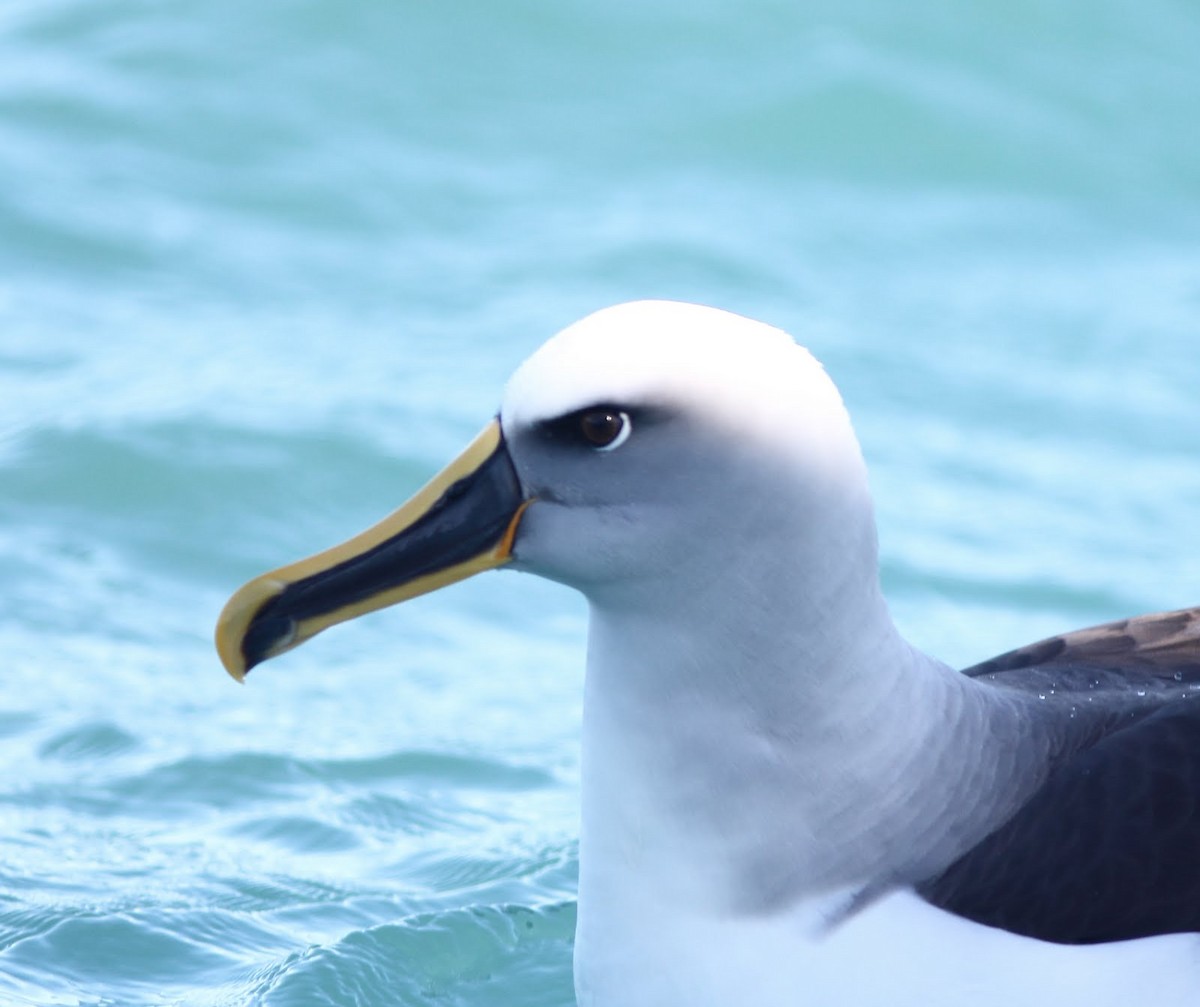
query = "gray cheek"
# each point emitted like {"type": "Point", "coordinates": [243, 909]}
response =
{"type": "Point", "coordinates": [581, 547]}
{"type": "Point", "coordinates": [542, 538]}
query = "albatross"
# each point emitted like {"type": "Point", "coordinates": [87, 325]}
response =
{"type": "Point", "coordinates": [785, 803]}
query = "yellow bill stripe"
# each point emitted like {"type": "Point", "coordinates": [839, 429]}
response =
{"type": "Point", "coordinates": [241, 610]}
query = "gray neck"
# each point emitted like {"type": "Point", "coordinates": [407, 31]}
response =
{"type": "Point", "coordinates": [778, 749]}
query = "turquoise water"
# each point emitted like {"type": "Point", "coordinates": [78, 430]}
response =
{"type": "Point", "coordinates": [264, 267]}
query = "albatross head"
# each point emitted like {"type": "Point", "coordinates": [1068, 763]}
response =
{"type": "Point", "coordinates": [637, 454]}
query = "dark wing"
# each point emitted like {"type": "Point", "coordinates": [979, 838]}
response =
{"type": "Point", "coordinates": [1107, 850]}
{"type": "Point", "coordinates": [1165, 645]}
{"type": "Point", "coordinates": [1109, 847]}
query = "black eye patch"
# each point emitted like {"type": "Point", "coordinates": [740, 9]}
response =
{"type": "Point", "coordinates": [600, 427]}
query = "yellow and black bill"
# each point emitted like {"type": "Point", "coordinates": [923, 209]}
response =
{"type": "Point", "coordinates": [461, 523]}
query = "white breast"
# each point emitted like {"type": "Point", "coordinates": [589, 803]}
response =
{"type": "Point", "coordinates": [898, 952]}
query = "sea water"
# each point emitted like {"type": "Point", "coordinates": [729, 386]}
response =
{"type": "Point", "coordinates": [265, 267]}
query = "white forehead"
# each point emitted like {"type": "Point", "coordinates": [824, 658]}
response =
{"type": "Point", "coordinates": [747, 374]}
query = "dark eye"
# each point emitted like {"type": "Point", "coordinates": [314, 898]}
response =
{"type": "Point", "coordinates": [594, 428]}
{"type": "Point", "coordinates": [605, 429]}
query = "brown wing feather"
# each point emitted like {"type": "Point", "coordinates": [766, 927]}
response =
{"type": "Point", "coordinates": [1165, 644]}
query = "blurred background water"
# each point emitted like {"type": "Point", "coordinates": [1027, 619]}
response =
{"type": "Point", "coordinates": [264, 267]}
